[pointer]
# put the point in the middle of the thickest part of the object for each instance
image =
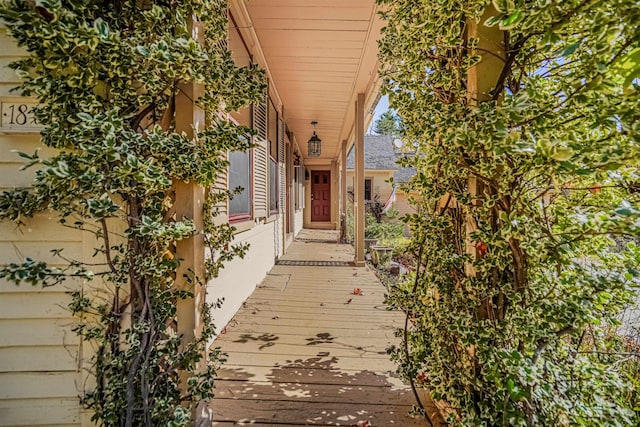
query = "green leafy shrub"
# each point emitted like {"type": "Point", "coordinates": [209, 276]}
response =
{"type": "Point", "coordinates": [386, 231]}
{"type": "Point", "coordinates": [520, 193]}
{"type": "Point", "coordinates": [107, 76]}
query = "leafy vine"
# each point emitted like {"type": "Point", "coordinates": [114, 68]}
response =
{"type": "Point", "coordinates": [108, 76]}
{"type": "Point", "coordinates": [524, 190]}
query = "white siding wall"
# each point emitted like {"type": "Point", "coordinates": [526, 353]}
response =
{"type": "Point", "coordinates": [239, 277]}
{"type": "Point", "coordinates": [299, 222]}
{"type": "Point", "coordinates": [278, 236]}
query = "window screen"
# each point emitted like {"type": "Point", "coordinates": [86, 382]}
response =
{"type": "Point", "coordinates": [367, 189]}
{"type": "Point", "coordinates": [273, 185]}
{"type": "Point", "coordinates": [240, 176]}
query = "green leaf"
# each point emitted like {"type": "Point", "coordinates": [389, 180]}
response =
{"type": "Point", "coordinates": [631, 76]}
{"type": "Point", "coordinates": [630, 61]}
{"type": "Point", "coordinates": [503, 6]}
{"type": "Point", "coordinates": [493, 20]}
{"type": "Point", "coordinates": [523, 147]}
{"type": "Point", "coordinates": [84, 116]}
{"type": "Point", "coordinates": [569, 50]}
{"type": "Point", "coordinates": [512, 20]}
{"type": "Point", "coordinates": [142, 50]}
{"type": "Point", "coordinates": [102, 28]}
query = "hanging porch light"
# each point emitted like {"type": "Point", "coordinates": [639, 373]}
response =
{"type": "Point", "coordinates": [314, 142]}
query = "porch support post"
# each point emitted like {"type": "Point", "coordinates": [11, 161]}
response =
{"type": "Point", "coordinates": [189, 203]}
{"type": "Point", "coordinates": [359, 181]}
{"type": "Point", "coordinates": [481, 80]}
{"type": "Point", "coordinates": [343, 190]}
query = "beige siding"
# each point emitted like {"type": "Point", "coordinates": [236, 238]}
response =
{"type": "Point", "coordinates": [10, 52]}
{"type": "Point", "coordinates": [379, 184]}
{"type": "Point", "coordinates": [240, 276]}
{"type": "Point", "coordinates": [402, 204]}
{"type": "Point", "coordinates": [39, 354]}
{"type": "Point", "coordinates": [382, 188]}
{"type": "Point", "coordinates": [299, 222]}
{"type": "Point", "coordinates": [403, 207]}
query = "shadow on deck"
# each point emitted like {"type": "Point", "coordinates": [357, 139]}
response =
{"type": "Point", "coordinates": [306, 350]}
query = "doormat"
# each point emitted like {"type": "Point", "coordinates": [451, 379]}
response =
{"type": "Point", "coordinates": [302, 239]}
{"type": "Point", "coordinates": [303, 263]}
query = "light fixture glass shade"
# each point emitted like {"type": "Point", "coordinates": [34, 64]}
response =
{"type": "Point", "coordinates": [314, 145]}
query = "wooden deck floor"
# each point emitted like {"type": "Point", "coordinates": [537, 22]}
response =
{"type": "Point", "coordinates": [304, 350]}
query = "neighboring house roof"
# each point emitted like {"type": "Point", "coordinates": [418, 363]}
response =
{"type": "Point", "coordinates": [404, 174]}
{"type": "Point", "coordinates": [380, 155]}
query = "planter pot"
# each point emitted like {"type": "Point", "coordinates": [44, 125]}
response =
{"type": "Point", "coordinates": [369, 242]}
{"type": "Point", "coordinates": [381, 256]}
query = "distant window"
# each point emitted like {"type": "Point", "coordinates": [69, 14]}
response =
{"type": "Point", "coordinates": [296, 186]}
{"type": "Point", "coordinates": [367, 189]}
{"type": "Point", "coordinates": [273, 185]}
{"type": "Point", "coordinates": [299, 187]}
{"type": "Point", "coordinates": [240, 177]}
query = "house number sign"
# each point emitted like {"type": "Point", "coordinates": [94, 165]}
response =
{"type": "Point", "coordinates": [17, 116]}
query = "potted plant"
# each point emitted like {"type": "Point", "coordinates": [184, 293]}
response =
{"type": "Point", "coordinates": [381, 256]}
{"type": "Point", "coordinates": [370, 238]}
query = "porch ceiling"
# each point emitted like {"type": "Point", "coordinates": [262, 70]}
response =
{"type": "Point", "coordinates": [319, 55]}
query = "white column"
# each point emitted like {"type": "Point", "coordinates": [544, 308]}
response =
{"type": "Point", "coordinates": [189, 202]}
{"type": "Point", "coordinates": [343, 189]}
{"type": "Point", "coordinates": [359, 181]}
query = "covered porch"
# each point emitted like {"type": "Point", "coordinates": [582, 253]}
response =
{"type": "Point", "coordinates": [322, 67]}
{"type": "Point", "coordinates": [306, 350]}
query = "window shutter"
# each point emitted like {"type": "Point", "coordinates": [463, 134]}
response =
{"type": "Point", "coordinates": [260, 119]}
{"type": "Point", "coordinates": [220, 210]}
{"type": "Point", "coordinates": [260, 161]}
{"type": "Point", "coordinates": [282, 167]}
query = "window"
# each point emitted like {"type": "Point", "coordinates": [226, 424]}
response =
{"type": "Point", "coordinates": [273, 185]}
{"type": "Point", "coordinates": [296, 183]}
{"type": "Point", "coordinates": [240, 177]}
{"type": "Point", "coordinates": [298, 188]}
{"type": "Point", "coordinates": [367, 189]}
{"type": "Point", "coordinates": [240, 169]}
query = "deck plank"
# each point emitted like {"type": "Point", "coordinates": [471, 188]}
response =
{"type": "Point", "coordinates": [305, 350]}
{"type": "Point", "coordinates": [315, 413]}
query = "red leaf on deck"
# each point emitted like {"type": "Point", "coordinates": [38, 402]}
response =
{"type": "Point", "coordinates": [357, 291]}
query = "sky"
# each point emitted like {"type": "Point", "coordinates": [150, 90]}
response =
{"type": "Point", "coordinates": [383, 105]}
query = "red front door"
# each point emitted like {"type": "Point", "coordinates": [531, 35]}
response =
{"type": "Point", "coordinates": [320, 195]}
